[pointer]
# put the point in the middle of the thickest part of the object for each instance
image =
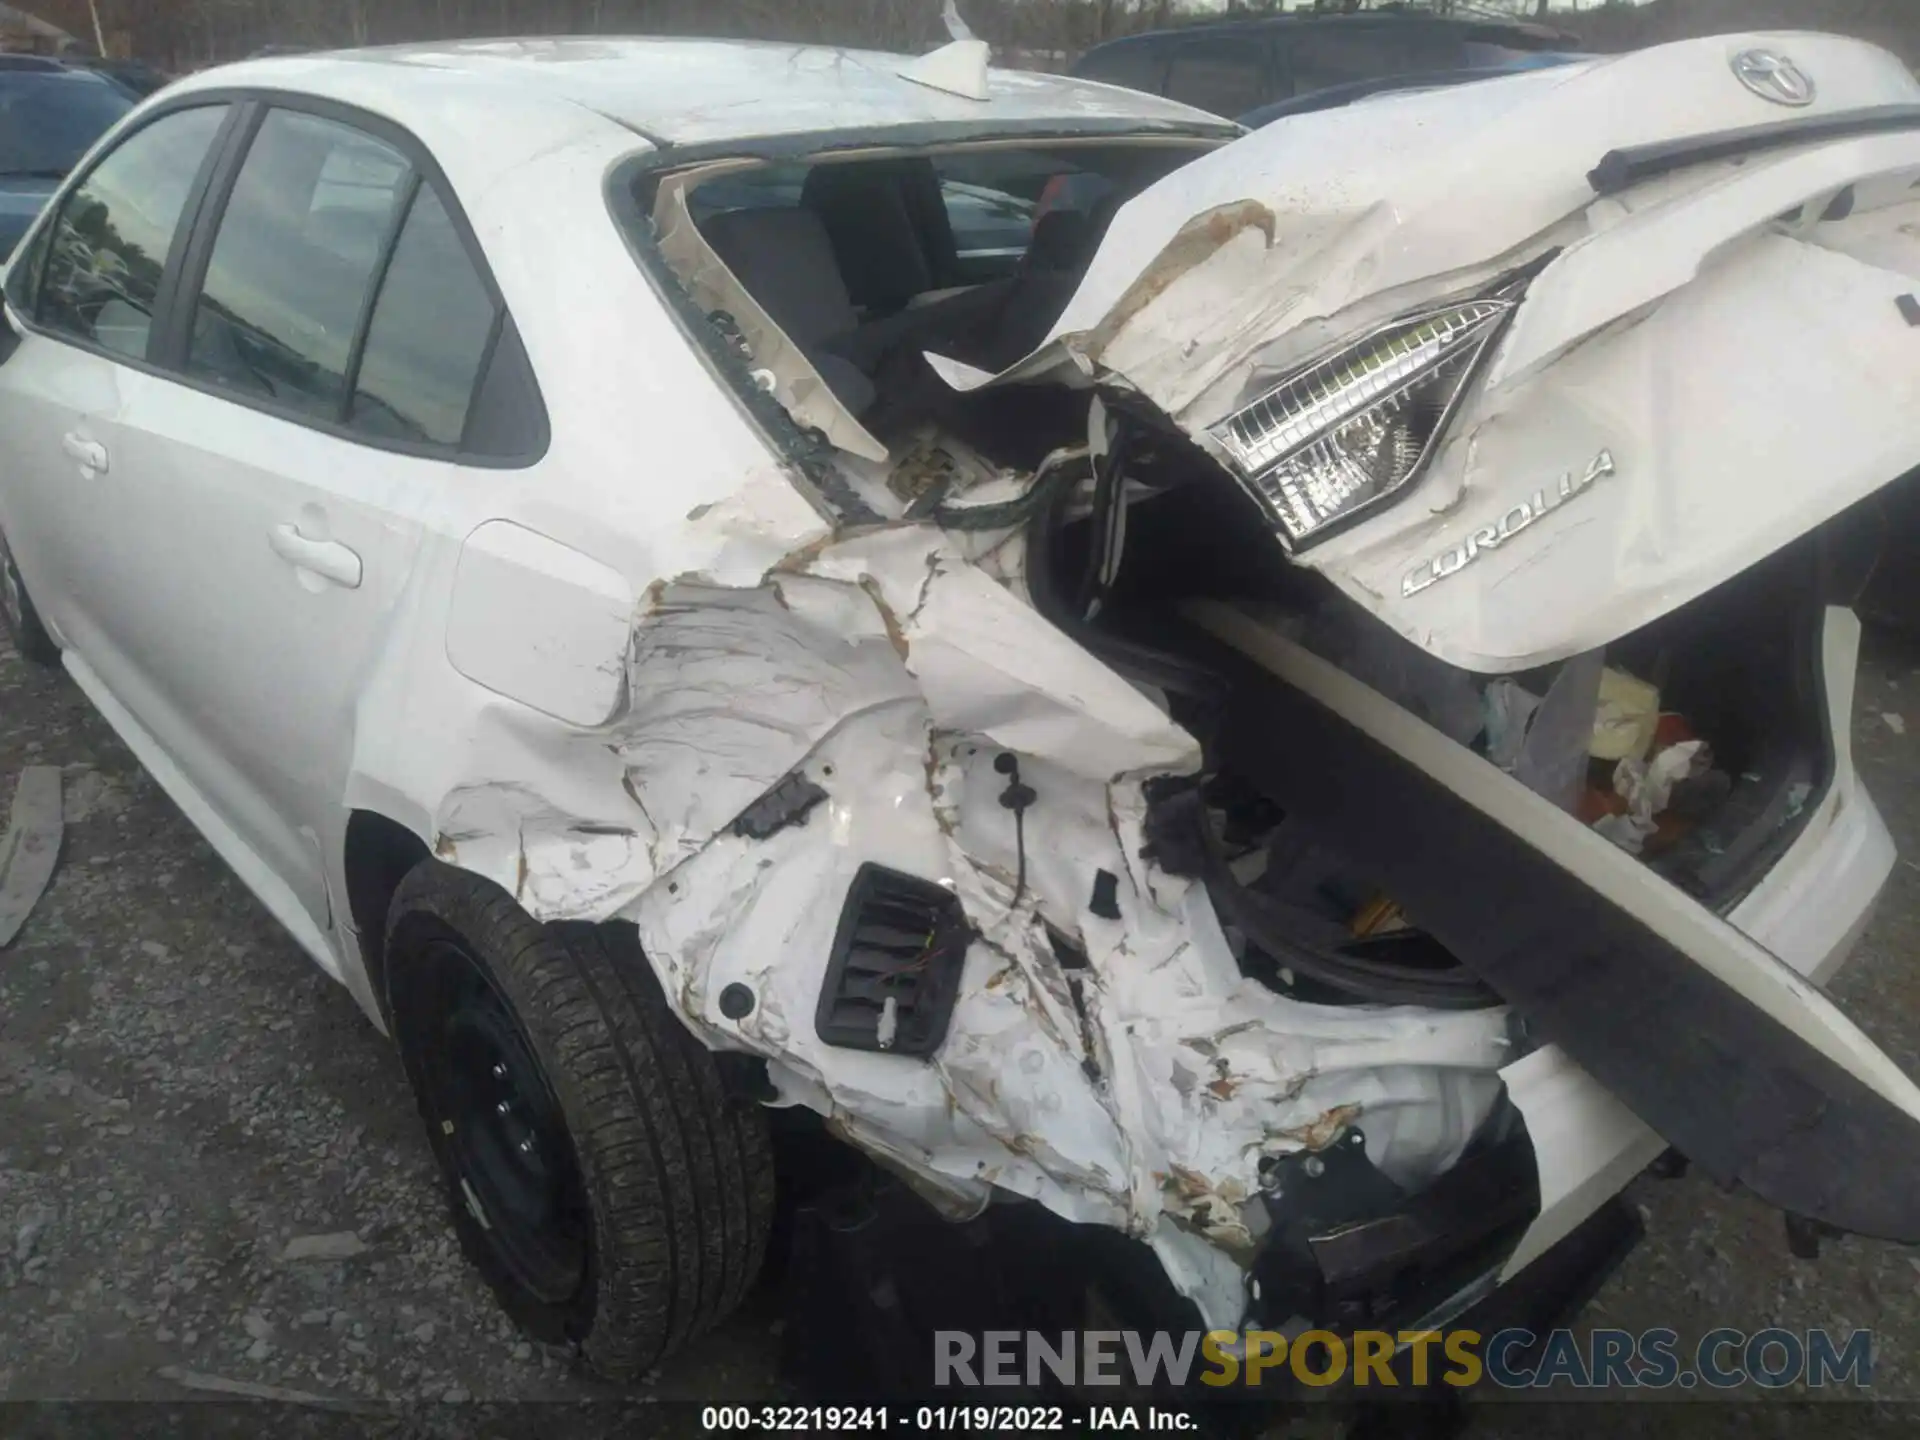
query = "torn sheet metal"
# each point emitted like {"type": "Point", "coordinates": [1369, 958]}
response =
{"type": "Point", "coordinates": [30, 848]}
{"type": "Point", "coordinates": [889, 671]}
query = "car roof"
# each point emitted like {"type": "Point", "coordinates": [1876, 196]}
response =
{"type": "Point", "coordinates": [690, 92]}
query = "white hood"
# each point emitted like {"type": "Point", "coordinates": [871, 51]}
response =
{"type": "Point", "coordinates": [1746, 375]}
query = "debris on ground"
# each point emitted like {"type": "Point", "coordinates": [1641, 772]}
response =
{"type": "Point", "coordinates": [249, 1390]}
{"type": "Point", "coordinates": [30, 848]}
{"type": "Point", "coordinates": [342, 1246]}
{"type": "Point", "coordinates": [27, 1236]}
{"type": "Point", "coordinates": [1895, 723]}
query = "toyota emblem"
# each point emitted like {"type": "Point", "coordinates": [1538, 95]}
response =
{"type": "Point", "coordinates": [1773, 77]}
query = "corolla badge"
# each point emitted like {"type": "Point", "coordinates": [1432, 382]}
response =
{"type": "Point", "coordinates": [1537, 507]}
{"type": "Point", "coordinates": [1772, 76]}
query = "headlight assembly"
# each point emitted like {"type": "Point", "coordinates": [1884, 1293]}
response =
{"type": "Point", "coordinates": [1352, 428]}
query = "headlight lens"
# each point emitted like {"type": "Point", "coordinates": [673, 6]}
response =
{"type": "Point", "coordinates": [1351, 429]}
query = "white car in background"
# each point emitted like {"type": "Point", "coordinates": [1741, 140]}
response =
{"type": "Point", "coordinates": [1112, 724]}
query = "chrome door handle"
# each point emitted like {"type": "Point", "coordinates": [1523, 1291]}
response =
{"type": "Point", "coordinates": [328, 559]}
{"type": "Point", "coordinates": [90, 454]}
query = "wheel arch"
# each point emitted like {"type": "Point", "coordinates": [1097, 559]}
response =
{"type": "Point", "coordinates": [379, 853]}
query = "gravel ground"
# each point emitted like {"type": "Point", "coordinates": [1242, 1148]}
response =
{"type": "Point", "coordinates": [182, 1094]}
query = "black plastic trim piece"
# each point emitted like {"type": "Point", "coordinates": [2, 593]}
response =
{"type": "Point", "coordinates": [900, 938]}
{"type": "Point", "coordinates": [235, 134]}
{"type": "Point", "coordinates": [1623, 169]}
{"type": "Point", "coordinates": [1351, 1250]}
{"type": "Point", "coordinates": [376, 287]}
{"type": "Point", "coordinates": [931, 135]}
{"type": "Point", "coordinates": [789, 802]}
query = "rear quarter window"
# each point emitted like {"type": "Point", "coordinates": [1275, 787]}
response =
{"type": "Point", "coordinates": [432, 327]}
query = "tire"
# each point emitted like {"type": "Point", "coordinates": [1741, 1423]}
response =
{"type": "Point", "coordinates": [18, 617]}
{"type": "Point", "coordinates": [640, 1215]}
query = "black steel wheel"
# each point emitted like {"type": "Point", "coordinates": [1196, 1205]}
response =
{"type": "Point", "coordinates": [610, 1190]}
{"type": "Point", "coordinates": [519, 1175]}
{"type": "Point", "coordinates": [17, 615]}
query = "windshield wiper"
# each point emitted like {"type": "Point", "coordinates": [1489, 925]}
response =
{"type": "Point", "coordinates": [1622, 169]}
{"type": "Point", "coordinates": [49, 173]}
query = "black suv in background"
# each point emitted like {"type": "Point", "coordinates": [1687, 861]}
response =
{"type": "Point", "coordinates": [1237, 67]}
{"type": "Point", "coordinates": [50, 115]}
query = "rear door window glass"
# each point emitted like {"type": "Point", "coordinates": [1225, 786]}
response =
{"type": "Point", "coordinates": [106, 252]}
{"type": "Point", "coordinates": [294, 262]}
{"type": "Point", "coordinates": [432, 327]}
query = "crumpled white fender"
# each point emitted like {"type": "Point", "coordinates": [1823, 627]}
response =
{"type": "Point", "coordinates": [891, 670]}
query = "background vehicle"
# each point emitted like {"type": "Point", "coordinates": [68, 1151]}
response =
{"type": "Point", "coordinates": [50, 115]}
{"type": "Point", "coordinates": [136, 76]}
{"type": "Point", "coordinates": [1236, 67]}
{"type": "Point", "coordinates": [1335, 96]}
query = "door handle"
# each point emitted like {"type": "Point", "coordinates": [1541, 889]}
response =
{"type": "Point", "coordinates": [328, 559]}
{"type": "Point", "coordinates": [90, 454]}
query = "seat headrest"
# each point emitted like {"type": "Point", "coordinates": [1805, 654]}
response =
{"type": "Point", "coordinates": [784, 258]}
{"type": "Point", "coordinates": [867, 213]}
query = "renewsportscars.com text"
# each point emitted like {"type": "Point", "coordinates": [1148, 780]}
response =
{"type": "Point", "coordinates": [1723, 1359]}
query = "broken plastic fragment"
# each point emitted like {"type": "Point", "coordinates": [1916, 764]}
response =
{"type": "Point", "coordinates": [1510, 708]}
{"type": "Point", "coordinates": [788, 803]}
{"type": "Point", "coordinates": [30, 847]}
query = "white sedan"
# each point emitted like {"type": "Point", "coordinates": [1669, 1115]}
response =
{"type": "Point", "coordinates": [1328, 650]}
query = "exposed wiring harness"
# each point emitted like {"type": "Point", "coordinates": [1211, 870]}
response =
{"type": "Point", "coordinates": [1057, 472]}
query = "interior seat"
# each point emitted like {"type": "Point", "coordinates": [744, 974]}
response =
{"type": "Point", "coordinates": [882, 245]}
{"type": "Point", "coordinates": [784, 258]}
